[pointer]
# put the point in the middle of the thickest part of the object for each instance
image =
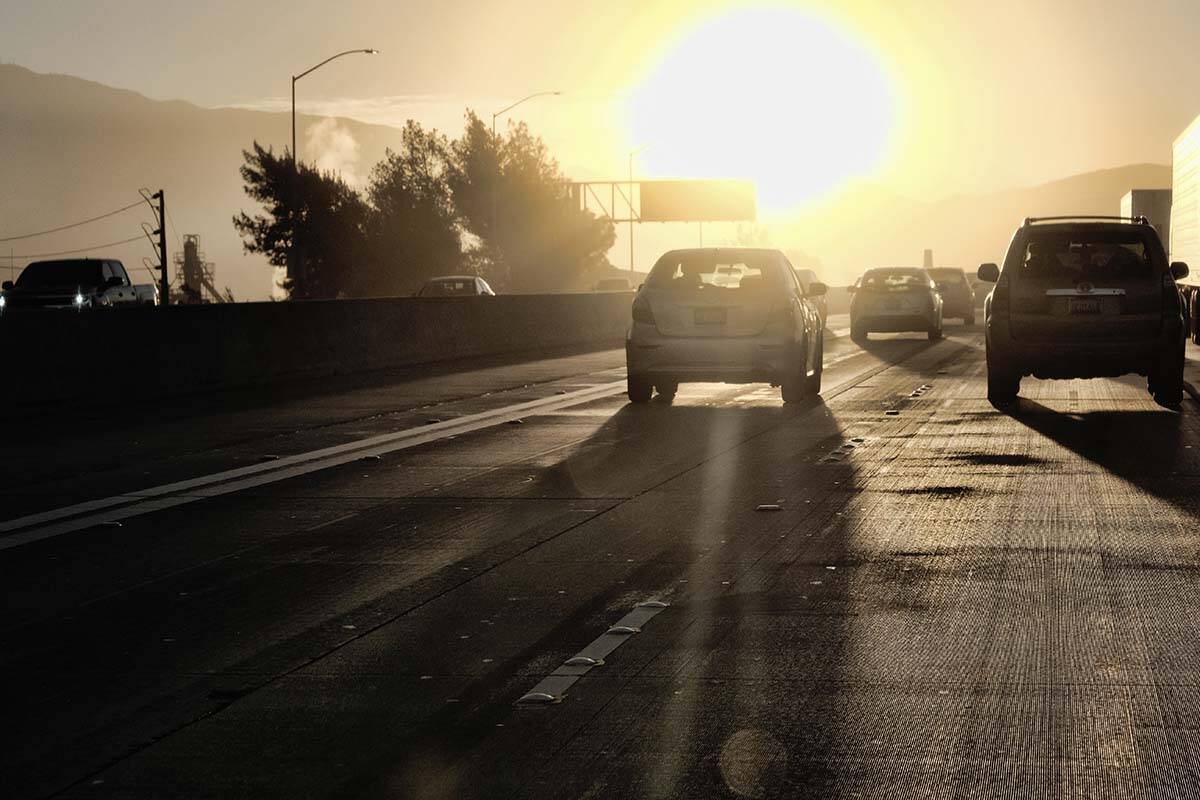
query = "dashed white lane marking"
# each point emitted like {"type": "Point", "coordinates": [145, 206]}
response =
{"type": "Point", "coordinates": [47, 524]}
{"type": "Point", "coordinates": [551, 689]}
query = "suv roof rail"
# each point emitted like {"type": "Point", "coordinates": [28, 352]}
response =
{"type": "Point", "coordinates": [1138, 220]}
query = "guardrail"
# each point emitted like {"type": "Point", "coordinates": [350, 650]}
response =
{"type": "Point", "coordinates": [148, 353]}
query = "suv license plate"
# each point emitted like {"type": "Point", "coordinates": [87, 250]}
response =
{"type": "Point", "coordinates": [710, 316]}
{"type": "Point", "coordinates": [1088, 305]}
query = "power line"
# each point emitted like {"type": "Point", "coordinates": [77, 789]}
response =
{"type": "Point", "coordinates": [72, 225]}
{"type": "Point", "coordinates": [80, 249]}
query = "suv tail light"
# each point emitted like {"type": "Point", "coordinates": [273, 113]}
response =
{"type": "Point", "coordinates": [642, 311]}
{"type": "Point", "coordinates": [1170, 294]}
{"type": "Point", "coordinates": [1000, 295]}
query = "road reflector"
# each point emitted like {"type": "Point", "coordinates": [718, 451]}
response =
{"type": "Point", "coordinates": [584, 661]}
{"type": "Point", "coordinates": [539, 699]}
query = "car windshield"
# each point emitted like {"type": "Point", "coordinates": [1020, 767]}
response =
{"type": "Point", "coordinates": [449, 288]}
{"type": "Point", "coordinates": [60, 273]}
{"type": "Point", "coordinates": [947, 275]}
{"type": "Point", "coordinates": [698, 272]}
{"type": "Point", "coordinates": [1091, 255]}
{"type": "Point", "coordinates": [895, 280]}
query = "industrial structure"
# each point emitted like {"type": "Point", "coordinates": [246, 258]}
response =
{"type": "Point", "coordinates": [194, 275]}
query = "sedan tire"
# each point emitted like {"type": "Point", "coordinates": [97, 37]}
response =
{"type": "Point", "coordinates": [1166, 385]}
{"type": "Point", "coordinates": [812, 383]}
{"type": "Point", "coordinates": [639, 389]}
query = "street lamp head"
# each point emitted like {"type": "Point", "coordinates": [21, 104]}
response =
{"type": "Point", "coordinates": [371, 51]}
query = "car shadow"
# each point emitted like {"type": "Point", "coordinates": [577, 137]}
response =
{"type": "Point", "coordinates": [1148, 449]}
{"type": "Point", "coordinates": [739, 579]}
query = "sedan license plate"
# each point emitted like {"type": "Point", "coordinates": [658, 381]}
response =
{"type": "Point", "coordinates": [1083, 305]}
{"type": "Point", "coordinates": [711, 316]}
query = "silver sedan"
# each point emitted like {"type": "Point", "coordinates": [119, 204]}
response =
{"type": "Point", "coordinates": [730, 315]}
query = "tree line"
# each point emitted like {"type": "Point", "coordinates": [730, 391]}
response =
{"type": "Point", "coordinates": [494, 205]}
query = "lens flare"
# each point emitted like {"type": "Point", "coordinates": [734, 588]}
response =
{"type": "Point", "coordinates": [774, 95]}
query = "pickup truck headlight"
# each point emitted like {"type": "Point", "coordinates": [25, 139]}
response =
{"type": "Point", "coordinates": [3, 302]}
{"type": "Point", "coordinates": [79, 300]}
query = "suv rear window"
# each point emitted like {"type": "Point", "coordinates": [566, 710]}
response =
{"type": "Point", "coordinates": [707, 272]}
{"type": "Point", "coordinates": [1090, 255]}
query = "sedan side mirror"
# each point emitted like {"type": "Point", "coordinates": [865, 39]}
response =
{"type": "Point", "coordinates": [1179, 270]}
{"type": "Point", "coordinates": [852, 288]}
{"type": "Point", "coordinates": [989, 273]}
{"type": "Point", "coordinates": [7, 285]}
{"type": "Point", "coordinates": [816, 289]}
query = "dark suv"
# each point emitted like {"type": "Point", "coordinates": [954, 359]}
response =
{"type": "Point", "coordinates": [1085, 297]}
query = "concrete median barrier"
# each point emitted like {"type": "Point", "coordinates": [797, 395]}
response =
{"type": "Point", "coordinates": [147, 353]}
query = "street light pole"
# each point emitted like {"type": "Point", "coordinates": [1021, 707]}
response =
{"type": "Point", "coordinates": [496, 179]}
{"type": "Point", "coordinates": [632, 153]}
{"type": "Point", "coordinates": [295, 167]}
{"type": "Point", "coordinates": [370, 51]}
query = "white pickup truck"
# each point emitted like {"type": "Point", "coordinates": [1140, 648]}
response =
{"type": "Point", "coordinates": [76, 283]}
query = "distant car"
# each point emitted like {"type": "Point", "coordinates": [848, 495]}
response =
{"type": "Point", "coordinates": [456, 286]}
{"type": "Point", "coordinates": [894, 300]}
{"type": "Point", "coordinates": [76, 283]}
{"type": "Point", "coordinates": [807, 278]}
{"type": "Point", "coordinates": [1085, 297]}
{"type": "Point", "coordinates": [731, 315]}
{"type": "Point", "coordinates": [958, 296]}
{"type": "Point", "coordinates": [612, 285]}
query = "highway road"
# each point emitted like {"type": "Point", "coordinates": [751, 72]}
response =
{"type": "Point", "coordinates": [375, 591]}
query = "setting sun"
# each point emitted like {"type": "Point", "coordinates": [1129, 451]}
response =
{"type": "Point", "coordinates": [774, 95]}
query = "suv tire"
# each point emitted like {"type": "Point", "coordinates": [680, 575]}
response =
{"type": "Point", "coordinates": [858, 334]}
{"type": "Point", "coordinates": [1003, 384]}
{"type": "Point", "coordinates": [935, 334]}
{"type": "Point", "coordinates": [639, 389]}
{"type": "Point", "coordinates": [1166, 384]}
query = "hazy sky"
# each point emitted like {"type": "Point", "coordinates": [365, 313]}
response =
{"type": "Point", "coordinates": [930, 97]}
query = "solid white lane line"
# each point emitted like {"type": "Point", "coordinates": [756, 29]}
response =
{"type": "Point", "coordinates": [56, 522]}
{"type": "Point", "coordinates": [551, 689]}
{"type": "Point", "coordinates": [131, 504]}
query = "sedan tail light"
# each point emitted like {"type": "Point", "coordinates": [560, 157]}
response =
{"type": "Point", "coordinates": [642, 311]}
{"type": "Point", "coordinates": [781, 316]}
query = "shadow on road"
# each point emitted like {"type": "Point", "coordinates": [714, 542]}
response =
{"type": "Point", "coordinates": [1146, 448]}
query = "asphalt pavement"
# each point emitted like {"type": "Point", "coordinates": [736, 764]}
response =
{"type": "Point", "coordinates": [508, 582]}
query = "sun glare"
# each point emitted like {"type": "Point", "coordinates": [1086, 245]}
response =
{"type": "Point", "coordinates": [773, 95]}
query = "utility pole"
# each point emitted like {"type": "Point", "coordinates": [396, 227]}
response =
{"type": "Point", "coordinates": [164, 291]}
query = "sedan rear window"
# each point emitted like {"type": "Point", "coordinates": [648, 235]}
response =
{"type": "Point", "coordinates": [709, 272]}
{"type": "Point", "coordinates": [947, 275]}
{"type": "Point", "coordinates": [451, 288]}
{"type": "Point", "coordinates": [899, 280]}
{"type": "Point", "coordinates": [1101, 254]}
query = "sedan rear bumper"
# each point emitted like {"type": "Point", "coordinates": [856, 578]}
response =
{"type": "Point", "coordinates": [894, 323]}
{"type": "Point", "coordinates": [718, 359]}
